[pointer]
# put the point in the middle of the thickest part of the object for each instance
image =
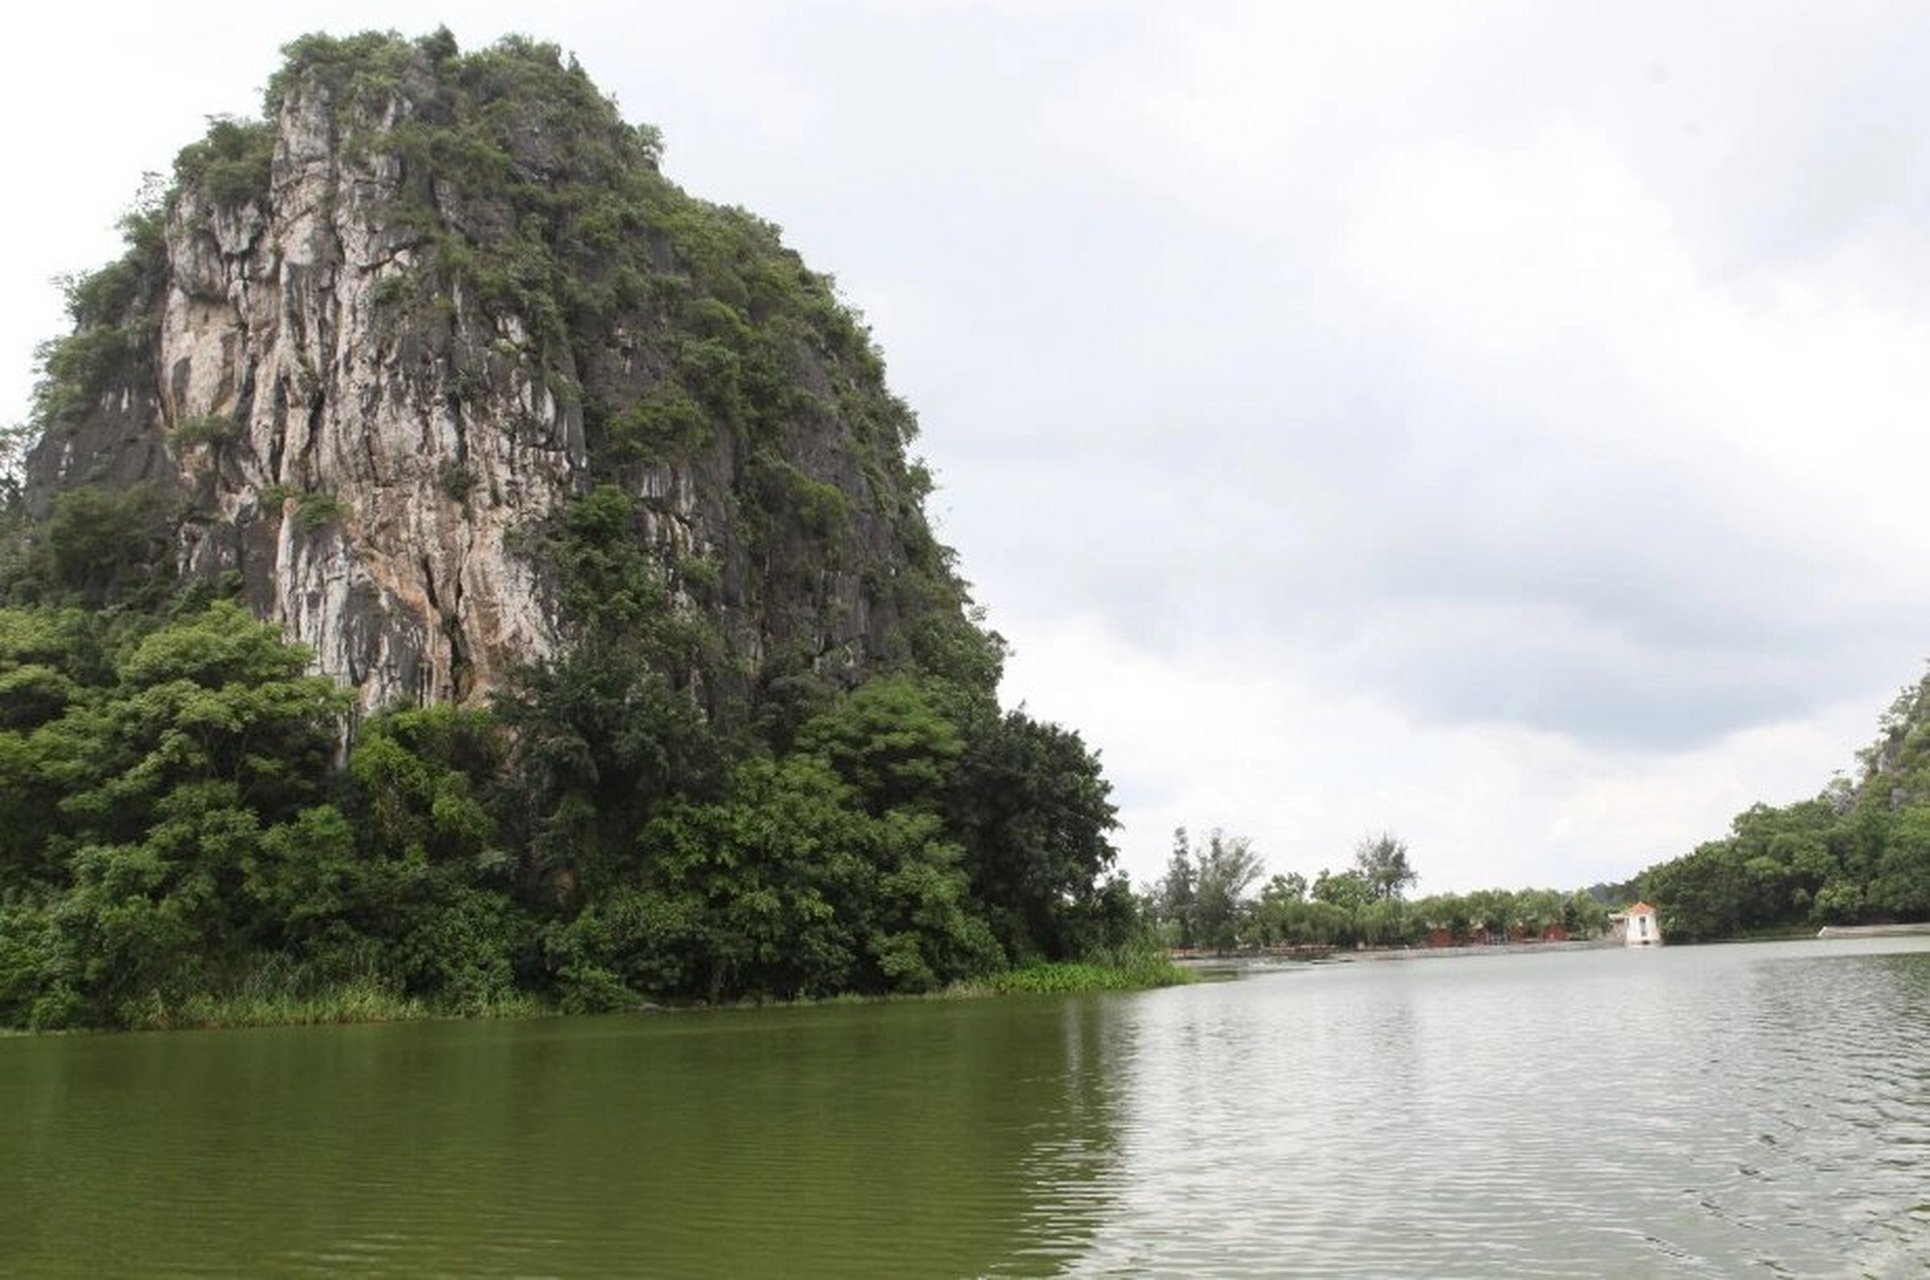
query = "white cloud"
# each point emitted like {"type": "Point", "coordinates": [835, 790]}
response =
{"type": "Point", "coordinates": [1306, 771]}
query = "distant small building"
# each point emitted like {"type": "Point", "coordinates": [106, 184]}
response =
{"type": "Point", "coordinates": [1638, 926]}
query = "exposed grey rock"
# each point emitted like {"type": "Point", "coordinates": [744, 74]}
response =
{"type": "Point", "coordinates": [375, 462]}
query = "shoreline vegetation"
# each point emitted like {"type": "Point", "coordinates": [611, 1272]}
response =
{"type": "Point", "coordinates": [366, 1001]}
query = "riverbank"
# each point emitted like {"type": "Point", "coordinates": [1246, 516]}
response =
{"type": "Point", "coordinates": [367, 1002]}
{"type": "Point", "coordinates": [1874, 931]}
{"type": "Point", "coordinates": [1496, 949]}
{"type": "Point", "coordinates": [1263, 960]}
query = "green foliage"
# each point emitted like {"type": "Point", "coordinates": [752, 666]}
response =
{"type": "Point", "coordinates": [116, 317]}
{"type": "Point", "coordinates": [603, 741]}
{"type": "Point", "coordinates": [37, 979]}
{"type": "Point", "coordinates": [201, 868]}
{"type": "Point", "coordinates": [364, 69]}
{"type": "Point", "coordinates": [78, 371]}
{"type": "Point", "coordinates": [359, 1000]}
{"type": "Point", "coordinates": [1035, 813]}
{"type": "Point", "coordinates": [1583, 915]}
{"type": "Point", "coordinates": [783, 889]}
{"type": "Point", "coordinates": [810, 508]}
{"type": "Point", "coordinates": [615, 589]}
{"type": "Point", "coordinates": [1381, 863]}
{"type": "Point", "coordinates": [1856, 854]}
{"type": "Point", "coordinates": [424, 783]}
{"type": "Point", "coordinates": [162, 756]}
{"type": "Point", "coordinates": [201, 429]}
{"type": "Point", "coordinates": [230, 165]}
{"type": "Point", "coordinates": [1136, 973]}
{"type": "Point", "coordinates": [316, 509]}
{"type": "Point", "coordinates": [1347, 890]}
{"type": "Point", "coordinates": [112, 295]}
{"type": "Point", "coordinates": [455, 480]}
{"type": "Point", "coordinates": [1202, 900]}
{"type": "Point", "coordinates": [890, 743]}
{"type": "Point", "coordinates": [100, 547]}
{"type": "Point", "coordinates": [1362, 907]}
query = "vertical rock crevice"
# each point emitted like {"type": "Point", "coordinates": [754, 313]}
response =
{"type": "Point", "coordinates": [449, 310]}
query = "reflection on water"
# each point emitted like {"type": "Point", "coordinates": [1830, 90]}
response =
{"type": "Point", "coordinates": [1707, 1111]}
{"type": "Point", "coordinates": [1711, 1111]}
{"type": "Point", "coordinates": [947, 1139]}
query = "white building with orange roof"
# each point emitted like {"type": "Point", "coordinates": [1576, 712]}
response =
{"type": "Point", "coordinates": [1639, 926]}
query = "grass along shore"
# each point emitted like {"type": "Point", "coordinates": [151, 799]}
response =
{"type": "Point", "coordinates": [367, 1001]}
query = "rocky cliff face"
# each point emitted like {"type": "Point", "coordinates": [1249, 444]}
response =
{"type": "Point", "coordinates": [374, 347]}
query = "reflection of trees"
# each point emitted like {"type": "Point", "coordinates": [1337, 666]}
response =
{"type": "Point", "coordinates": [935, 1138]}
{"type": "Point", "coordinates": [953, 1138]}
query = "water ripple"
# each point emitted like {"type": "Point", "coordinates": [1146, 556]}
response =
{"type": "Point", "coordinates": [1709, 1112]}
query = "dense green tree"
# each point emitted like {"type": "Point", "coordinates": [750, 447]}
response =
{"type": "Point", "coordinates": [164, 770]}
{"type": "Point", "coordinates": [1583, 915]}
{"type": "Point", "coordinates": [786, 888]}
{"type": "Point", "coordinates": [1284, 915]}
{"type": "Point", "coordinates": [1034, 813]}
{"type": "Point", "coordinates": [1176, 895]}
{"type": "Point", "coordinates": [1347, 890]}
{"type": "Point", "coordinates": [1491, 911]}
{"type": "Point", "coordinates": [99, 547]}
{"type": "Point", "coordinates": [1386, 922]}
{"type": "Point", "coordinates": [1854, 854]}
{"type": "Point", "coordinates": [1446, 912]}
{"type": "Point", "coordinates": [890, 743]}
{"type": "Point", "coordinates": [602, 742]}
{"type": "Point", "coordinates": [1224, 869]}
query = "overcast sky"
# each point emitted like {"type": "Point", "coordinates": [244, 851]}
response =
{"type": "Point", "coordinates": [1498, 424]}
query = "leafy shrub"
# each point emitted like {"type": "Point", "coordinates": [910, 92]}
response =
{"type": "Point", "coordinates": [231, 164]}
{"type": "Point", "coordinates": [210, 429]}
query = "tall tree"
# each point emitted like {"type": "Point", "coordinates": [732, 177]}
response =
{"type": "Point", "coordinates": [1176, 894]}
{"type": "Point", "coordinates": [1034, 813]}
{"type": "Point", "coordinates": [1225, 868]}
{"type": "Point", "coordinates": [1381, 861]}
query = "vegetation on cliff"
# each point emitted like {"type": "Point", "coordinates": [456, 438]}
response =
{"type": "Point", "coordinates": [1858, 853]}
{"type": "Point", "coordinates": [706, 791]}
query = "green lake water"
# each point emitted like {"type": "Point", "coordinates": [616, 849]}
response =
{"type": "Point", "coordinates": [1709, 1111]}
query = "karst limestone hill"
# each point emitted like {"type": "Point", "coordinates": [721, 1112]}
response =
{"type": "Point", "coordinates": [436, 360]}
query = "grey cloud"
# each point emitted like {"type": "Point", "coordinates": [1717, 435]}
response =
{"type": "Point", "coordinates": [1154, 395]}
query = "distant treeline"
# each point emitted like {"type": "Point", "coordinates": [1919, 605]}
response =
{"type": "Point", "coordinates": [1205, 900]}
